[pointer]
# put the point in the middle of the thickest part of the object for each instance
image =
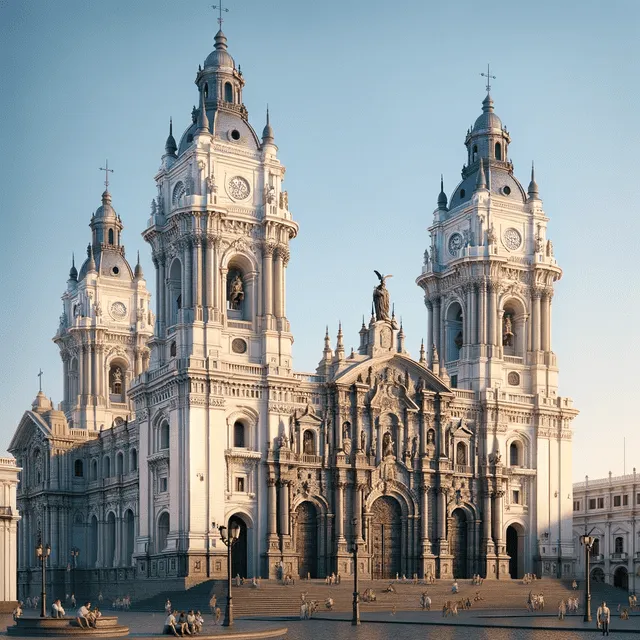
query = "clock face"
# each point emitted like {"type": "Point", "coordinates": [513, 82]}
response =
{"type": "Point", "coordinates": [239, 188]}
{"type": "Point", "coordinates": [512, 239]}
{"type": "Point", "coordinates": [455, 244]}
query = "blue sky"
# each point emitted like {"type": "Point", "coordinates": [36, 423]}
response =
{"type": "Point", "coordinates": [370, 102]}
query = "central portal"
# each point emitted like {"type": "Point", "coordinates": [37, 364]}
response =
{"type": "Point", "coordinates": [387, 538]}
{"type": "Point", "coordinates": [307, 540]}
{"type": "Point", "coordinates": [458, 544]}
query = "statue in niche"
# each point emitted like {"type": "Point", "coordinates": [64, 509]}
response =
{"type": "Point", "coordinates": [236, 292]}
{"type": "Point", "coordinates": [387, 445]}
{"type": "Point", "coordinates": [308, 443]}
{"type": "Point", "coordinates": [539, 244]}
{"type": "Point", "coordinates": [507, 331]}
{"type": "Point", "coordinates": [491, 235]}
{"type": "Point", "coordinates": [363, 440]}
{"type": "Point", "coordinates": [211, 184]}
{"type": "Point", "coordinates": [269, 194]}
{"type": "Point", "coordinates": [434, 254]}
{"type": "Point", "coordinates": [495, 458]}
{"type": "Point", "coordinates": [431, 436]}
{"type": "Point", "coordinates": [346, 445]}
{"type": "Point", "coordinates": [97, 307]}
{"type": "Point", "coordinates": [346, 432]}
{"type": "Point", "coordinates": [549, 249]}
{"type": "Point", "coordinates": [373, 447]}
{"type": "Point", "coordinates": [414, 447]}
{"type": "Point", "coordinates": [381, 297]}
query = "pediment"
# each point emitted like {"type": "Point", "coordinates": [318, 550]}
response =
{"type": "Point", "coordinates": [31, 426]}
{"type": "Point", "coordinates": [306, 416]}
{"type": "Point", "coordinates": [460, 430]}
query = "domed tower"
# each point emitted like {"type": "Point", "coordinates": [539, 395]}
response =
{"type": "Point", "coordinates": [488, 278]}
{"type": "Point", "coordinates": [220, 229]}
{"type": "Point", "coordinates": [104, 328]}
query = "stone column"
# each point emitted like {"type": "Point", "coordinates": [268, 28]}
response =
{"type": "Point", "coordinates": [497, 520]}
{"type": "Point", "coordinates": [267, 277]}
{"type": "Point", "coordinates": [442, 513]}
{"type": "Point", "coordinates": [197, 276]}
{"type": "Point", "coordinates": [65, 379]}
{"type": "Point", "coordinates": [277, 278]}
{"type": "Point", "coordinates": [272, 521]}
{"type": "Point", "coordinates": [424, 513]}
{"type": "Point", "coordinates": [429, 306]}
{"type": "Point", "coordinates": [468, 314]}
{"type": "Point", "coordinates": [482, 314]}
{"type": "Point", "coordinates": [546, 321]}
{"type": "Point", "coordinates": [473, 334]}
{"type": "Point", "coordinates": [435, 337]}
{"type": "Point", "coordinates": [88, 357]}
{"type": "Point", "coordinates": [207, 248]}
{"type": "Point", "coordinates": [284, 508]}
{"type": "Point", "coordinates": [493, 303]}
{"type": "Point", "coordinates": [340, 486]}
{"type": "Point", "coordinates": [187, 277]}
{"type": "Point", "coordinates": [536, 321]}
{"type": "Point", "coordinates": [486, 522]}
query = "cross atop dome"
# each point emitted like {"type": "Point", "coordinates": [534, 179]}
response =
{"type": "Point", "coordinates": [489, 77]}
{"type": "Point", "coordinates": [220, 9]}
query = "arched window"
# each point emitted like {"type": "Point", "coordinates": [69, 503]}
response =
{"type": "Point", "coordinates": [228, 92]}
{"type": "Point", "coordinates": [309, 443]}
{"type": "Point", "coordinates": [119, 463]}
{"type": "Point", "coordinates": [173, 349]}
{"type": "Point", "coordinates": [238, 434]}
{"type": "Point", "coordinates": [129, 536]}
{"type": "Point", "coordinates": [619, 545]}
{"type": "Point", "coordinates": [93, 542]}
{"type": "Point", "coordinates": [106, 467]}
{"type": "Point", "coordinates": [474, 155]}
{"type": "Point", "coordinates": [78, 469]}
{"type": "Point", "coordinates": [235, 292]}
{"type": "Point", "coordinates": [94, 470]}
{"type": "Point", "coordinates": [133, 463]}
{"type": "Point", "coordinates": [164, 435]}
{"type": "Point", "coordinates": [461, 453]}
{"type": "Point", "coordinates": [595, 547]}
{"type": "Point", "coordinates": [163, 531]}
{"type": "Point", "coordinates": [498, 151]}
{"type": "Point", "coordinates": [206, 90]}
{"type": "Point", "coordinates": [454, 327]}
{"type": "Point", "coordinates": [110, 236]}
{"type": "Point", "coordinates": [175, 291]}
{"type": "Point", "coordinates": [514, 455]}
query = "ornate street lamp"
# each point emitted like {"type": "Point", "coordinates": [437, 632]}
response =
{"type": "Point", "coordinates": [355, 618]}
{"type": "Point", "coordinates": [229, 540]}
{"type": "Point", "coordinates": [587, 541]}
{"type": "Point", "coordinates": [75, 552]}
{"type": "Point", "coordinates": [43, 553]}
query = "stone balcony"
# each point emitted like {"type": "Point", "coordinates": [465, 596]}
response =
{"type": "Point", "coordinates": [619, 557]}
{"type": "Point", "coordinates": [5, 512]}
{"type": "Point", "coordinates": [596, 559]}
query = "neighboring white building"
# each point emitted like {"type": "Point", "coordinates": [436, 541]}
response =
{"type": "Point", "coordinates": [607, 508]}
{"type": "Point", "coordinates": [9, 518]}
{"type": "Point", "coordinates": [453, 464]}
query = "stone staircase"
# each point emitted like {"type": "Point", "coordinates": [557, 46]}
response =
{"type": "Point", "coordinates": [274, 600]}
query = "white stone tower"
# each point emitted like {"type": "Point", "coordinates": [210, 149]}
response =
{"type": "Point", "coordinates": [104, 328]}
{"type": "Point", "coordinates": [489, 281]}
{"type": "Point", "coordinates": [221, 355]}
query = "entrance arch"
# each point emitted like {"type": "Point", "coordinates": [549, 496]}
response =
{"type": "Point", "coordinates": [386, 529]}
{"type": "Point", "coordinates": [239, 562]}
{"type": "Point", "coordinates": [597, 575]}
{"type": "Point", "coordinates": [515, 550]}
{"type": "Point", "coordinates": [110, 551]}
{"type": "Point", "coordinates": [307, 538]}
{"type": "Point", "coordinates": [458, 544]}
{"type": "Point", "coordinates": [621, 578]}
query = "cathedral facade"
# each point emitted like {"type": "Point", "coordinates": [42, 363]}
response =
{"type": "Point", "coordinates": [176, 423]}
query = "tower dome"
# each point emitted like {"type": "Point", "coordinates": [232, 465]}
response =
{"type": "Point", "coordinates": [220, 57]}
{"type": "Point", "coordinates": [105, 210]}
{"type": "Point", "coordinates": [488, 120]}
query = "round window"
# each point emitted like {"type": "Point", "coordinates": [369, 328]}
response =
{"type": "Point", "coordinates": [238, 346]}
{"type": "Point", "coordinates": [235, 134]}
{"type": "Point", "coordinates": [115, 271]}
{"type": "Point", "coordinates": [506, 191]}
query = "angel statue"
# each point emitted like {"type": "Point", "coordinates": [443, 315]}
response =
{"type": "Point", "coordinates": [381, 297]}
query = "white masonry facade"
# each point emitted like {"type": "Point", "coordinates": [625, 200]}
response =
{"type": "Point", "coordinates": [171, 425]}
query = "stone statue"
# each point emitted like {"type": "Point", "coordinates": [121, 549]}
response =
{"type": "Point", "coordinates": [539, 244]}
{"type": "Point", "coordinates": [153, 207]}
{"type": "Point", "coordinates": [430, 437]}
{"type": "Point", "coordinates": [549, 248]}
{"type": "Point", "coordinates": [381, 297]}
{"type": "Point", "coordinates": [434, 254]}
{"type": "Point", "coordinates": [281, 200]}
{"type": "Point", "coordinates": [236, 292]}
{"type": "Point", "coordinates": [194, 115]}
{"type": "Point", "coordinates": [426, 257]}
{"type": "Point", "coordinates": [211, 184]}
{"type": "Point", "coordinates": [345, 431]}
{"type": "Point", "coordinates": [414, 447]}
{"type": "Point", "coordinates": [491, 235]}
{"type": "Point", "coordinates": [374, 446]}
{"type": "Point", "coordinates": [507, 334]}
{"type": "Point", "coordinates": [98, 309]}
{"type": "Point", "coordinates": [387, 445]}
{"type": "Point", "coordinates": [285, 200]}
{"type": "Point", "coordinates": [269, 194]}
{"type": "Point", "coordinates": [363, 440]}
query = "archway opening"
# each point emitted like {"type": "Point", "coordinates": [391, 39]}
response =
{"type": "Point", "coordinates": [307, 539]}
{"type": "Point", "coordinates": [110, 546]}
{"type": "Point", "coordinates": [621, 578]}
{"type": "Point", "coordinates": [93, 542]}
{"type": "Point", "coordinates": [386, 530]}
{"type": "Point", "coordinates": [236, 291]}
{"type": "Point", "coordinates": [163, 531]}
{"type": "Point", "coordinates": [175, 292]}
{"type": "Point", "coordinates": [454, 333]}
{"type": "Point", "coordinates": [458, 544]}
{"type": "Point", "coordinates": [77, 537]}
{"type": "Point", "coordinates": [515, 550]}
{"type": "Point", "coordinates": [117, 373]}
{"type": "Point", "coordinates": [239, 435]}
{"type": "Point", "coordinates": [129, 529]}
{"type": "Point", "coordinates": [239, 559]}
{"type": "Point", "coordinates": [228, 92]}
{"type": "Point", "coordinates": [513, 328]}
{"type": "Point", "coordinates": [309, 443]}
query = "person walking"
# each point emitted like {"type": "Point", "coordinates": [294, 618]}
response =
{"type": "Point", "coordinates": [603, 617]}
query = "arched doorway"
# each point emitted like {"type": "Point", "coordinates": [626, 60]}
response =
{"type": "Point", "coordinates": [515, 551]}
{"type": "Point", "coordinates": [93, 542]}
{"type": "Point", "coordinates": [163, 531]}
{"type": "Point", "coordinates": [239, 564]}
{"type": "Point", "coordinates": [307, 539]}
{"type": "Point", "coordinates": [110, 547]}
{"type": "Point", "coordinates": [129, 528]}
{"type": "Point", "coordinates": [386, 537]}
{"type": "Point", "coordinates": [597, 575]}
{"type": "Point", "coordinates": [621, 578]}
{"type": "Point", "coordinates": [458, 544]}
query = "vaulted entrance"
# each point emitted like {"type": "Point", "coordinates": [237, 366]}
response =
{"type": "Point", "coordinates": [515, 550]}
{"type": "Point", "coordinates": [307, 539]}
{"type": "Point", "coordinates": [621, 578]}
{"type": "Point", "coordinates": [386, 530]}
{"type": "Point", "coordinates": [458, 543]}
{"type": "Point", "coordinates": [239, 562]}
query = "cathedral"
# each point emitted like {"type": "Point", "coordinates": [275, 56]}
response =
{"type": "Point", "coordinates": [188, 415]}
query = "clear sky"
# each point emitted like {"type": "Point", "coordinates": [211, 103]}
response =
{"type": "Point", "coordinates": [370, 102]}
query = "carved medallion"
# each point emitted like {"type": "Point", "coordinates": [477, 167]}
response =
{"type": "Point", "coordinates": [513, 378]}
{"type": "Point", "coordinates": [511, 239]}
{"type": "Point", "coordinates": [385, 338]}
{"type": "Point", "coordinates": [455, 243]}
{"type": "Point", "coordinates": [239, 188]}
{"type": "Point", "coordinates": [118, 310]}
{"type": "Point", "coordinates": [238, 345]}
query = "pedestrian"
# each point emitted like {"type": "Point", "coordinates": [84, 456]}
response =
{"type": "Point", "coordinates": [603, 618]}
{"type": "Point", "coordinates": [73, 599]}
{"type": "Point", "coordinates": [562, 610]}
{"type": "Point", "coordinates": [212, 603]}
{"type": "Point", "coordinates": [56, 609]}
{"type": "Point", "coordinates": [217, 615]}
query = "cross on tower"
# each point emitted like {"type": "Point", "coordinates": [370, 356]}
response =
{"type": "Point", "coordinates": [220, 9]}
{"type": "Point", "coordinates": [489, 77]}
{"type": "Point", "coordinates": [107, 171]}
{"type": "Point", "coordinates": [40, 378]}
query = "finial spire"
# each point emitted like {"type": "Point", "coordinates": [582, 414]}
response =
{"type": "Point", "coordinates": [107, 171]}
{"type": "Point", "coordinates": [442, 197]}
{"type": "Point", "coordinates": [267, 132]}
{"type": "Point", "coordinates": [170, 145]}
{"type": "Point", "coordinates": [203, 121]}
{"type": "Point", "coordinates": [220, 9]}
{"type": "Point", "coordinates": [91, 266]}
{"type": "Point", "coordinates": [532, 190]}
{"type": "Point", "coordinates": [423, 359]}
{"type": "Point", "coordinates": [489, 78]}
{"type": "Point", "coordinates": [481, 181]}
{"type": "Point", "coordinates": [73, 272]}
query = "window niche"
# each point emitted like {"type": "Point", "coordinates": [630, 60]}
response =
{"type": "Point", "coordinates": [117, 382]}
{"type": "Point", "coordinates": [513, 328]}
{"type": "Point", "coordinates": [235, 294]}
{"type": "Point", "coordinates": [454, 332]}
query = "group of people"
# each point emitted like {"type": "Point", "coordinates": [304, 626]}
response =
{"type": "Point", "coordinates": [369, 595]}
{"type": "Point", "coordinates": [86, 616]}
{"type": "Point", "coordinates": [239, 581]}
{"type": "Point", "coordinates": [535, 601]}
{"type": "Point", "coordinates": [189, 624]}
{"type": "Point", "coordinates": [477, 580]}
{"type": "Point", "coordinates": [531, 577]}
{"type": "Point", "coordinates": [333, 579]}
{"type": "Point", "coordinates": [425, 601]}
{"type": "Point", "coordinates": [120, 603]}
{"type": "Point", "coordinates": [570, 605]}
{"type": "Point", "coordinates": [308, 608]}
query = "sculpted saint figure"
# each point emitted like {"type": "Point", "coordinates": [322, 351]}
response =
{"type": "Point", "coordinates": [236, 292]}
{"type": "Point", "coordinates": [491, 235]}
{"type": "Point", "coordinates": [387, 445]}
{"type": "Point", "coordinates": [381, 297]}
{"type": "Point", "coordinates": [507, 337]}
{"type": "Point", "coordinates": [363, 440]}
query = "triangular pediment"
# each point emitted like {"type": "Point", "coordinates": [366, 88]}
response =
{"type": "Point", "coordinates": [461, 430]}
{"type": "Point", "coordinates": [31, 426]}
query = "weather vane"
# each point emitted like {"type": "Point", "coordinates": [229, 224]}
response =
{"type": "Point", "coordinates": [489, 77]}
{"type": "Point", "coordinates": [220, 9]}
{"type": "Point", "coordinates": [107, 171]}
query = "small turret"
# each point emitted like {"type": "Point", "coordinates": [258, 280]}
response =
{"type": "Point", "coordinates": [138, 270]}
{"type": "Point", "coordinates": [401, 336]}
{"type": "Point", "coordinates": [423, 359]}
{"type": "Point", "coordinates": [91, 265]}
{"type": "Point", "coordinates": [267, 132]}
{"type": "Point", "coordinates": [327, 353]}
{"type": "Point", "coordinates": [442, 197]}
{"type": "Point", "coordinates": [73, 272]}
{"type": "Point", "coordinates": [532, 190]}
{"type": "Point", "coordinates": [481, 181]}
{"type": "Point", "coordinates": [203, 121]}
{"type": "Point", "coordinates": [339, 344]}
{"type": "Point", "coordinates": [170, 146]}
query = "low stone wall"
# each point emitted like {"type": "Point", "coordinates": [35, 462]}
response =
{"type": "Point", "coordinates": [7, 606]}
{"type": "Point", "coordinates": [66, 627]}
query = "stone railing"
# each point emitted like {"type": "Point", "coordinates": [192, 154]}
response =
{"type": "Point", "coordinates": [617, 557]}
{"type": "Point", "coordinates": [463, 468]}
{"type": "Point", "coordinates": [597, 558]}
{"type": "Point", "coordinates": [465, 394]}
{"type": "Point", "coordinates": [8, 462]}
{"type": "Point", "coordinates": [605, 482]}
{"type": "Point", "coordinates": [308, 458]}
{"type": "Point", "coordinates": [5, 512]}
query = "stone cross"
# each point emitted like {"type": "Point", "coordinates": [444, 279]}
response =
{"type": "Point", "coordinates": [40, 379]}
{"type": "Point", "coordinates": [489, 77]}
{"type": "Point", "coordinates": [107, 171]}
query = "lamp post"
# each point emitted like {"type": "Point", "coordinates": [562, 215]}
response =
{"type": "Point", "coordinates": [43, 553]}
{"type": "Point", "coordinates": [75, 552]}
{"type": "Point", "coordinates": [587, 541]}
{"type": "Point", "coordinates": [355, 618]}
{"type": "Point", "coordinates": [229, 541]}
